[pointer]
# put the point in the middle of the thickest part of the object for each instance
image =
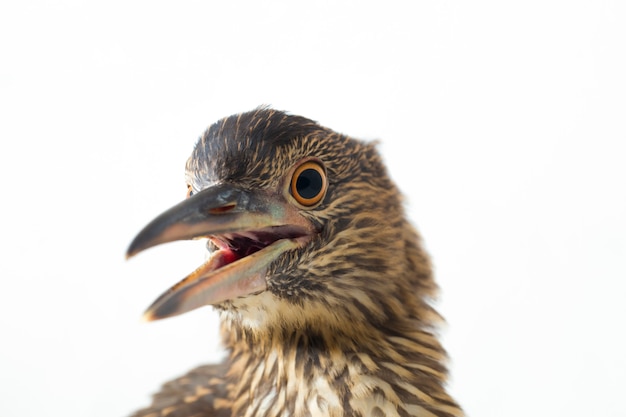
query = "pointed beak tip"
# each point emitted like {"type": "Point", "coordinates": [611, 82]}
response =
{"type": "Point", "coordinates": [133, 249]}
{"type": "Point", "coordinates": [148, 317]}
{"type": "Point", "coordinates": [131, 252]}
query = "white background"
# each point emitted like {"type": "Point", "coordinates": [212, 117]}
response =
{"type": "Point", "coordinates": [504, 123]}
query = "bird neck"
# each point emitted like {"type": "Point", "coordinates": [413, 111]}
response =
{"type": "Point", "coordinates": [329, 373]}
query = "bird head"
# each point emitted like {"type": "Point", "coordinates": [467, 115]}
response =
{"type": "Point", "coordinates": [303, 225]}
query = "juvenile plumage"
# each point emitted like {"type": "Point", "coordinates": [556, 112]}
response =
{"type": "Point", "coordinates": [323, 286]}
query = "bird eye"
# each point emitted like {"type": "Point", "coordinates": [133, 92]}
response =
{"type": "Point", "coordinates": [308, 184]}
{"type": "Point", "coordinates": [189, 191]}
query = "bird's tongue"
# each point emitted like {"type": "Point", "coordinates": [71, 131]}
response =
{"type": "Point", "coordinates": [232, 250]}
{"type": "Point", "coordinates": [227, 257]}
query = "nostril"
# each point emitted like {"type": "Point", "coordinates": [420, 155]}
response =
{"type": "Point", "coordinates": [222, 209]}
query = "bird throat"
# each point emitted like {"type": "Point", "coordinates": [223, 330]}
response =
{"type": "Point", "coordinates": [319, 374]}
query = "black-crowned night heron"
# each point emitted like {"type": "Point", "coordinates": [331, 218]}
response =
{"type": "Point", "coordinates": [322, 284]}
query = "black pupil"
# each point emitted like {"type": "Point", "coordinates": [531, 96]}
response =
{"type": "Point", "coordinates": [309, 183]}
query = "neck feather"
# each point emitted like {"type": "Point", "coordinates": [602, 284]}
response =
{"type": "Point", "coordinates": [387, 369]}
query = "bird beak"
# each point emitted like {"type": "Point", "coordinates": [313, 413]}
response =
{"type": "Point", "coordinates": [248, 230]}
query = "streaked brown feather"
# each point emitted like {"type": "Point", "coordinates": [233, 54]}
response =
{"type": "Point", "coordinates": [200, 393]}
{"type": "Point", "coordinates": [350, 329]}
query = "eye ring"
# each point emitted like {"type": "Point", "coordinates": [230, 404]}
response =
{"type": "Point", "coordinates": [309, 183]}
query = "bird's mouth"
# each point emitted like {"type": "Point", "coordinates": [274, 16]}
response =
{"type": "Point", "coordinates": [235, 246]}
{"type": "Point", "coordinates": [246, 232]}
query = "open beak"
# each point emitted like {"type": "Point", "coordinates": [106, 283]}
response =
{"type": "Point", "coordinates": [247, 230]}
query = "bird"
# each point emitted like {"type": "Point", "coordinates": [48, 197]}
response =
{"type": "Point", "coordinates": [325, 292]}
